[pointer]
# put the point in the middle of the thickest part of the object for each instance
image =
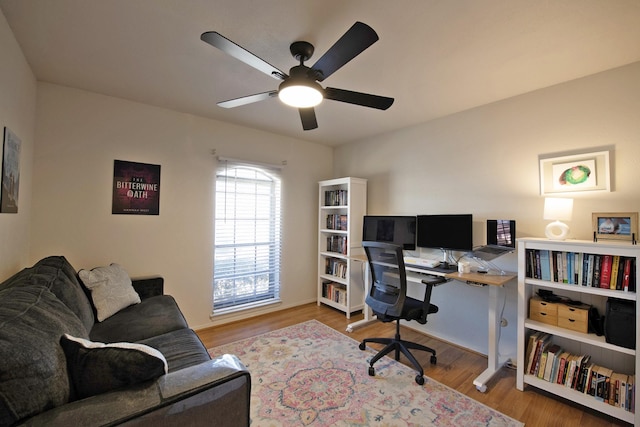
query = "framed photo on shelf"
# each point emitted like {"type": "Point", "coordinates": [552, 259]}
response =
{"type": "Point", "coordinates": [615, 225]}
{"type": "Point", "coordinates": [573, 173]}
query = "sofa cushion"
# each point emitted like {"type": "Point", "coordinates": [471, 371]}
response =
{"type": "Point", "coordinates": [111, 289]}
{"type": "Point", "coordinates": [33, 369]}
{"type": "Point", "coordinates": [96, 368]}
{"type": "Point", "coordinates": [153, 316]}
{"type": "Point", "coordinates": [182, 348]}
{"type": "Point", "coordinates": [59, 277]}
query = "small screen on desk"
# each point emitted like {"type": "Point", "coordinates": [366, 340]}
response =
{"type": "Point", "coordinates": [501, 232]}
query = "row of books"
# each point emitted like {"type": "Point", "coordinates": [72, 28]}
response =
{"type": "Point", "coordinates": [334, 292]}
{"type": "Point", "coordinates": [576, 268]}
{"type": "Point", "coordinates": [336, 267]}
{"type": "Point", "coordinates": [337, 222]}
{"type": "Point", "coordinates": [549, 362]}
{"type": "Point", "coordinates": [337, 244]}
{"type": "Point", "coordinates": [336, 198]}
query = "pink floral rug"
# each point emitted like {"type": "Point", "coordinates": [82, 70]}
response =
{"type": "Point", "coordinates": [311, 375]}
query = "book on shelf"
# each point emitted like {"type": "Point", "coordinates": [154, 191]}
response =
{"type": "Point", "coordinates": [335, 292]}
{"type": "Point", "coordinates": [335, 198]}
{"type": "Point", "coordinates": [547, 361]}
{"type": "Point", "coordinates": [614, 272]}
{"type": "Point", "coordinates": [336, 267]}
{"type": "Point", "coordinates": [552, 353]}
{"type": "Point", "coordinates": [336, 222]}
{"type": "Point", "coordinates": [337, 244]}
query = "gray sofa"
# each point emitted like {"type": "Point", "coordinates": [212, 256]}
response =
{"type": "Point", "coordinates": [48, 380]}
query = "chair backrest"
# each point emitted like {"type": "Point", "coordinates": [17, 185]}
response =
{"type": "Point", "coordinates": [388, 289]}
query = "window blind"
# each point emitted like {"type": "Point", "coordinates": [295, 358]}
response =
{"type": "Point", "coordinates": [247, 235]}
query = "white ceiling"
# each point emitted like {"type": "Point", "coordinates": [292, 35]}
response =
{"type": "Point", "coordinates": [435, 57]}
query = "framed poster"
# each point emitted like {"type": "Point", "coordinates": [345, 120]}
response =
{"type": "Point", "coordinates": [579, 172]}
{"type": "Point", "coordinates": [10, 172]}
{"type": "Point", "coordinates": [136, 188]}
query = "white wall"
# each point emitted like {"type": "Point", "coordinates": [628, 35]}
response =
{"type": "Point", "coordinates": [485, 161]}
{"type": "Point", "coordinates": [78, 136]}
{"type": "Point", "coordinates": [17, 112]}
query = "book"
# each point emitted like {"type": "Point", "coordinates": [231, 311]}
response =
{"type": "Point", "coordinates": [561, 367]}
{"type": "Point", "coordinates": [602, 384]}
{"type": "Point", "coordinates": [605, 272]}
{"type": "Point", "coordinates": [597, 261]}
{"type": "Point", "coordinates": [613, 280]}
{"type": "Point", "coordinates": [626, 272]}
{"type": "Point", "coordinates": [542, 344]}
{"type": "Point", "coordinates": [616, 392]}
{"type": "Point", "coordinates": [552, 353]}
{"type": "Point", "coordinates": [545, 269]}
{"type": "Point", "coordinates": [578, 257]}
{"type": "Point", "coordinates": [590, 264]}
{"type": "Point", "coordinates": [531, 348]}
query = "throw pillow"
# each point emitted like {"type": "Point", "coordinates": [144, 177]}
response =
{"type": "Point", "coordinates": [96, 368]}
{"type": "Point", "coordinates": [111, 289]}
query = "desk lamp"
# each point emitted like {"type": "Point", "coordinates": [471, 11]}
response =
{"type": "Point", "coordinates": [557, 209]}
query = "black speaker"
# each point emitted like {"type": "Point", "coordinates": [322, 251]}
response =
{"type": "Point", "coordinates": [620, 323]}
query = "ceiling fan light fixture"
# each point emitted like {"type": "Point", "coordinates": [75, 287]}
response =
{"type": "Point", "coordinates": [300, 93]}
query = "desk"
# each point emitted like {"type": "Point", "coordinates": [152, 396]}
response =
{"type": "Point", "coordinates": [496, 289]}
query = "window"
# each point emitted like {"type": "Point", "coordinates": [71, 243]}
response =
{"type": "Point", "coordinates": [247, 236]}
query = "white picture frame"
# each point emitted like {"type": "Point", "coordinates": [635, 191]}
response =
{"type": "Point", "coordinates": [586, 172]}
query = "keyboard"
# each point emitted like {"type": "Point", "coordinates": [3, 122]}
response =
{"type": "Point", "coordinates": [421, 262]}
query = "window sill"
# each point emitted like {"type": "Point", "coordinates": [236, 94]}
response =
{"type": "Point", "coordinates": [243, 308]}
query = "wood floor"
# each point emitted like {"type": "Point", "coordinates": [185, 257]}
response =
{"type": "Point", "coordinates": [456, 367]}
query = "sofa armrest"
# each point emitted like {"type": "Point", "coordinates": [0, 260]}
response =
{"type": "Point", "coordinates": [216, 392]}
{"type": "Point", "coordinates": [148, 286]}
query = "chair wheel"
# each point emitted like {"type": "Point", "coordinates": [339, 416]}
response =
{"type": "Point", "coordinates": [372, 371]}
{"type": "Point", "coordinates": [419, 379]}
{"type": "Point", "coordinates": [361, 346]}
{"type": "Point", "coordinates": [434, 360]}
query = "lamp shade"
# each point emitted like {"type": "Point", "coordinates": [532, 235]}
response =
{"type": "Point", "coordinates": [556, 208]}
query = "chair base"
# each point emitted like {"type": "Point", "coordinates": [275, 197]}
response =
{"type": "Point", "coordinates": [399, 346]}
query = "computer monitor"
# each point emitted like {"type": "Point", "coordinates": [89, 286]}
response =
{"type": "Point", "coordinates": [446, 232]}
{"type": "Point", "coordinates": [501, 232]}
{"type": "Point", "coordinates": [400, 230]}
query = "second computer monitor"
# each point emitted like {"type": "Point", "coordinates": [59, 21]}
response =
{"type": "Point", "coordinates": [448, 232]}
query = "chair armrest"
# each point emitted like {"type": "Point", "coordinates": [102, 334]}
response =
{"type": "Point", "coordinates": [148, 286]}
{"type": "Point", "coordinates": [216, 392]}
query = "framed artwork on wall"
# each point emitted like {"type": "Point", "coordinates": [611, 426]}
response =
{"type": "Point", "coordinates": [615, 225]}
{"type": "Point", "coordinates": [10, 172]}
{"type": "Point", "coordinates": [136, 188]}
{"type": "Point", "coordinates": [575, 173]}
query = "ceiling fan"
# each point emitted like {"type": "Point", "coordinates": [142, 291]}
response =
{"type": "Point", "coordinates": [300, 88]}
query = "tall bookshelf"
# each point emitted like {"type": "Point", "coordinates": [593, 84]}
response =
{"type": "Point", "coordinates": [619, 359]}
{"type": "Point", "coordinates": [342, 205]}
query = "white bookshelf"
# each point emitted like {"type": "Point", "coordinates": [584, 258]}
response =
{"type": "Point", "coordinates": [341, 200]}
{"type": "Point", "coordinates": [620, 359]}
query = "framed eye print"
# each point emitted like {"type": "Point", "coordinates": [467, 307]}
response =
{"type": "Point", "coordinates": [575, 173]}
{"type": "Point", "coordinates": [615, 226]}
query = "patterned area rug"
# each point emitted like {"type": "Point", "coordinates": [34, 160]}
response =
{"type": "Point", "coordinates": [311, 375]}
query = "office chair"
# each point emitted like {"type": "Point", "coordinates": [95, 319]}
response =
{"type": "Point", "coordinates": [389, 302]}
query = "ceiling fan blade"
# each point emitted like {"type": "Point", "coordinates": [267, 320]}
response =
{"type": "Point", "coordinates": [308, 117]}
{"type": "Point", "coordinates": [359, 37]}
{"type": "Point", "coordinates": [237, 102]}
{"type": "Point", "coordinates": [227, 46]}
{"type": "Point", "coordinates": [358, 98]}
